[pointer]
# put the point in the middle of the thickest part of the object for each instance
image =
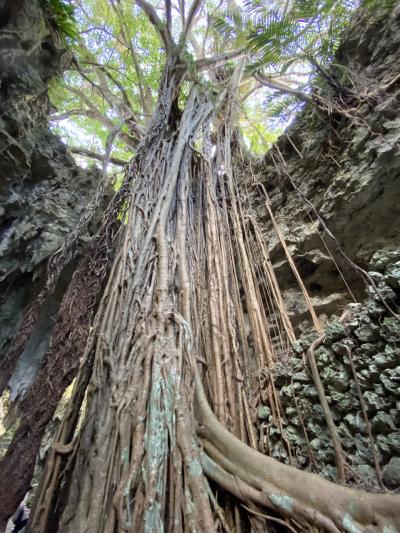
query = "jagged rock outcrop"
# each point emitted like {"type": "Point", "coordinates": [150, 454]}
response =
{"type": "Point", "coordinates": [43, 192]}
{"type": "Point", "coordinates": [362, 352]}
{"type": "Point", "coordinates": [347, 164]}
{"type": "Point", "coordinates": [346, 167]}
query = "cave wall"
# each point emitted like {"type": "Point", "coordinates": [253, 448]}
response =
{"type": "Point", "coordinates": [43, 193]}
{"type": "Point", "coordinates": [348, 168]}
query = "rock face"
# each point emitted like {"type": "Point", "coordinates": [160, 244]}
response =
{"type": "Point", "coordinates": [361, 355]}
{"type": "Point", "coordinates": [42, 191]}
{"type": "Point", "coordinates": [348, 167]}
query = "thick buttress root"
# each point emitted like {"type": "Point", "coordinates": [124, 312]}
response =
{"type": "Point", "coordinates": [308, 498]}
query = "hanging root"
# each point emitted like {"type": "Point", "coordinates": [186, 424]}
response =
{"type": "Point", "coordinates": [61, 362]}
{"type": "Point", "coordinates": [337, 446]}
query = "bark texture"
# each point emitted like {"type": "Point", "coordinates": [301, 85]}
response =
{"type": "Point", "coordinates": [175, 303]}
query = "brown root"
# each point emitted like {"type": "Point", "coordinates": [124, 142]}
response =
{"type": "Point", "coordinates": [309, 499]}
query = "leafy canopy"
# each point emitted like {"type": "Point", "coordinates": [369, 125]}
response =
{"type": "Point", "coordinates": [109, 93]}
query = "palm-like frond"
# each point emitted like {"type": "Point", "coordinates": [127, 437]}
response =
{"type": "Point", "coordinates": [308, 27]}
{"type": "Point", "coordinates": [293, 39]}
{"type": "Point", "coordinates": [276, 32]}
{"type": "Point", "coordinates": [281, 110]}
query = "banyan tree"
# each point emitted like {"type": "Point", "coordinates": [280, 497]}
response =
{"type": "Point", "coordinates": [173, 320]}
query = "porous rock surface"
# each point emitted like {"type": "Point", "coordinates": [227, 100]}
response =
{"type": "Point", "coordinates": [368, 342]}
{"type": "Point", "coordinates": [42, 191]}
{"type": "Point", "coordinates": [348, 168]}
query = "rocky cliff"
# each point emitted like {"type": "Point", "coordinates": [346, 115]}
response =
{"type": "Point", "coordinates": [333, 180]}
{"type": "Point", "coordinates": [359, 366]}
{"type": "Point", "coordinates": [42, 191]}
{"type": "Point", "coordinates": [332, 174]}
{"type": "Point", "coordinates": [346, 163]}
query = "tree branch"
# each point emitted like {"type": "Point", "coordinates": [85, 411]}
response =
{"type": "Point", "coordinates": [98, 157]}
{"type": "Point", "coordinates": [82, 96]}
{"type": "Point", "coordinates": [66, 115]}
{"type": "Point", "coordinates": [168, 15]}
{"type": "Point", "coordinates": [219, 59]}
{"type": "Point", "coordinates": [141, 81]}
{"type": "Point", "coordinates": [194, 8]}
{"type": "Point", "coordinates": [96, 115]}
{"type": "Point", "coordinates": [181, 4]}
{"type": "Point", "coordinates": [281, 87]}
{"type": "Point", "coordinates": [157, 23]}
{"type": "Point", "coordinates": [250, 92]}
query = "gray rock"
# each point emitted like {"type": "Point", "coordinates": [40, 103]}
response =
{"type": "Point", "coordinates": [367, 472]}
{"type": "Point", "coordinates": [383, 446]}
{"type": "Point", "coordinates": [314, 428]}
{"type": "Point", "coordinates": [381, 259]}
{"type": "Point", "coordinates": [376, 276]}
{"type": "Point", "coordinates": [342, 402]}
{"type": "Point", "coordinates": [294, 436]}
{"type": "Point", "coordinates": [393, 277]}
{"type": "Point", "coordinates": [368, 349]}
{"type": "Point", "coordinates": [390, 358]}
{"type": "Point", "coordinates": [381, 290]}
{"type": "Point", "coordinates": [356, 421]}
{"type": "Point", "coordinates": [391, 380]}
{"type": "Point", "coordinates": [309, 391]}
{"type": "Point", "coordinates": [329, 472]}
{"type": "Point", "coordinates": [302, 377]}
{"type": "Point", "coordinates": [341, 347]}
{"type": "Point", "coordinates": [304, 342]}
{"type": "Point", "coordinates": [286, 392]}
{"type": "Point", "coordinates": [317, 409]}
{"type": "Point", "coordinates": [43, 192]}
{"type": "Point", "coordinates": [375, 308]}
{"type": "Point", "coordinates": [393, 441]}
{"type": "Point", "coordinates": [367, 331]}
{"type": "Point", "coordinates": [323, 356]}
{"type": "Point", "coordinates": [346, 436]}
{"type": "Point", "coordinates": [334, 331]}
{"type": "Point", "coordinates": [364, 451]}
{"type": "Point", "coordinates": [278, 452]}
{"type": "Point", "coordinates": [366, 377]}
{"type": "Point", "coordinates": [391, 330]}
{"type": "Point", "coordinates": [290, 411]}
{"type": "Point", "coordinates": [382, 423]}
{"type": "Point", "coordinates": [391, 473]}
{"type": "Point", "coordinates": [395, 414]}
{"type": "Point", "coordinates": [338, 379]}
{"type": "Point", "coordinates": [375, 402]}
{"type": "Point", "coordinates": [263, 412]}
{"type": "Point", "coordinates": [359, 202]}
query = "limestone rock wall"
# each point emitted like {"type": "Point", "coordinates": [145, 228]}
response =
{"type": "Point", "coordinates": [42, 191]}
{"type": "Point", "coordinates": [347, 167]}
{"type": "Point", "coordinates": [368, 342]}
